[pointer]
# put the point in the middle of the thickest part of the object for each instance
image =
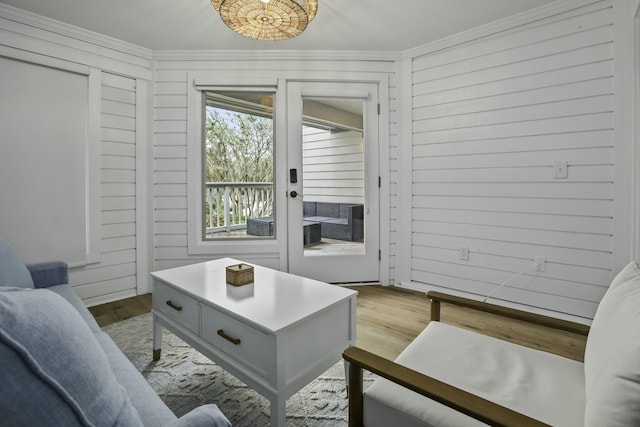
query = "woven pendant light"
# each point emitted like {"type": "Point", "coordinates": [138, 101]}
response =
{"type": "Point", "coordinates": [267, 19]}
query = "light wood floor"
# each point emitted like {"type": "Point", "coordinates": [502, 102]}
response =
{"type": "Point", "coordinates": [390, 318]}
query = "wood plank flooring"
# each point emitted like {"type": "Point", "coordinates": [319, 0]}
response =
{"type": "Point", "coordinates": [116, 311]}
{"type": "Point", "coordinates": [390, 318]}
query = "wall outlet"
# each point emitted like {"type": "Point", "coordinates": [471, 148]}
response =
{"type": "Point", "coordinates": [464, 254]}
{"type": "Point", "coordinates": [561, 170]}
{"type": "Point", "coordinates": [539, 263]}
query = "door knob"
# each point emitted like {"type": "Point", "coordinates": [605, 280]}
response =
{"type": "Point", "coordinates": [295, 194]}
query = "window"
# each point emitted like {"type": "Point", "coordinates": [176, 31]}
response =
{"type": "Point", "coordinates": [238, 166]}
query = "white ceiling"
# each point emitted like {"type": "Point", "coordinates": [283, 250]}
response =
{"type": "Point", "coordinates": [351, 25]}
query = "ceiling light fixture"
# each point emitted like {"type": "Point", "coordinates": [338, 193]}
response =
{"type": "Point", "coordinates": [267, 19]}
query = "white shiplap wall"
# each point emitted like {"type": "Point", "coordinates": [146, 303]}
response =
{"type": "Point", "coordinates": [170, 132]}
{"type": "Point", "coordinates": [115, 275]}
{"type": "Point", "coordinates": [112, 129]}
{"type": "Point", "coordinates": [170, 168]}
{"type": "Point", "coordinates": [491, 117]}
{"type": "Point", "coordinates": [333, 166]}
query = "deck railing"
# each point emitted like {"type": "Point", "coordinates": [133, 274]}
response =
{"type": "Point", "coordinates": [230, 204]}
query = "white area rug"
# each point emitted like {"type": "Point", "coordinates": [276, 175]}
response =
{"type": "Point", "coordinates": [185, 379]}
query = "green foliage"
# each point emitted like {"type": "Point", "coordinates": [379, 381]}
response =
{"type": "Point", "coordinates": [239, 147]}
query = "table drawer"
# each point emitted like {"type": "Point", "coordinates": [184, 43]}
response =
{"type": "Point", "coordinates": [176, 305]}
{"type": "Point", "coordinates": [252, 347]}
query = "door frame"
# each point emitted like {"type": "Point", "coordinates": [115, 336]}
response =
{"type": "Point", "coordinates": [274, 252]}
{"type": "Point", "coordinates": [374, 171]}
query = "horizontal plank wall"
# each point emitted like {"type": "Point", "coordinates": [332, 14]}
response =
{"type": "Point", "coordinates": [113, 124]}
{"type": "Point", "coordinates": [118, 194]}
{"type": "Point", "coordinates": [333, 166]}
{"type": "Point", "coordinates": [170, 130]}
{"type": "Point", "coordinates": [513, 159]}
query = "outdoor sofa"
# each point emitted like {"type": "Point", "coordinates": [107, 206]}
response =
{"type": "Point", "coordinates": [340, 221]}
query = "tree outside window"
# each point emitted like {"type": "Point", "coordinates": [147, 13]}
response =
{"type": "Point", "coordinates": [238, 161]}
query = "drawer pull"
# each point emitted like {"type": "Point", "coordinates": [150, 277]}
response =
{"type": "Point", "coordinates": [174, 305]}
{"type": "Point", "coordinates": [235, 341]}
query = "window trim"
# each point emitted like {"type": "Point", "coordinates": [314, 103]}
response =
{"type": "Point", "coordinates": [210, 95]}
{"type": "Point", "coordinates": [196, 244]}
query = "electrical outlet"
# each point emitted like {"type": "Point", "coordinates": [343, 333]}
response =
{"type": "Point", "coordinates": [464, 254]}
{"type": "Point", "coordinates": [561, 170]}
{"type": "Point", "coordinates": [539, 263]}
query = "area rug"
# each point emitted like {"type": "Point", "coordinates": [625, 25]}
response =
{"type": "Point", "coordinates": [185, 379]}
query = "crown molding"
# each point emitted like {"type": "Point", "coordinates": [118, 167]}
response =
{"type": "Point", "coordinates": [96, 39]}
{"type": "Point", "coordinates": [76, 33]}
{"type": "Point", "coordinates": [274, 55]}
{"type": "Point", "coordinates": [501, 25]}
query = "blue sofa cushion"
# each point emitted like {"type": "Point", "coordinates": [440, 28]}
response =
{"type": "Point", "coordinates": [52, 370]}
{"type": "Point", "coordinates": [13, 272]}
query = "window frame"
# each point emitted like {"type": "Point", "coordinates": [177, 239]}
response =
{"type": "Point", "coordinates": [196, 102]}
{"type": "Point", "coordinates": [206, 95]}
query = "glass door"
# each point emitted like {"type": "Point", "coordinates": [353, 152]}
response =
{"type": "Point", "coordinates": [333, 194]}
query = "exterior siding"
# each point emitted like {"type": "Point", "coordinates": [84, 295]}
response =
{"type": "Point", "coordinates": [343, 152]}
{"type": "Point", "coordinates": [491, 118]}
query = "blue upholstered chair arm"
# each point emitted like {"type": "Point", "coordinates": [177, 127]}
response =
{"type": "Point", "coordinates": [46, 274]}
{"type": "Point", "coordinates": [202, 416]}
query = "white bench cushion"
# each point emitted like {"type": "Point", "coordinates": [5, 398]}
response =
{"type": "Point", "coordinates": [612, 355]}
{"type": "Point", "coordinates": [541, 385]}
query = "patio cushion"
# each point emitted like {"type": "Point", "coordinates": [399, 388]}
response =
{"type": "Point", "coordinates": [13, 272]}
{"type": "Point", "coordinates": [612, 355]}
{"type": "Point", "coordinates": [508, 374]}
{"type": "Point", "coordinates": [260, 226]}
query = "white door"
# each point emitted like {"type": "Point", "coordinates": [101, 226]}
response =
{"type": "Point", "coordinates": [333, 191]}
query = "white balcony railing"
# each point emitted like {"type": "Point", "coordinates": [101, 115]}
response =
{"type": "Point", "coordinates": [229, 204]}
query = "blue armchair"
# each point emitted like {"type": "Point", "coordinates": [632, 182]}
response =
{"type": "Point", "coordinates": [46, 274]}
{"type": "Point", "coordinates": [57, 367]}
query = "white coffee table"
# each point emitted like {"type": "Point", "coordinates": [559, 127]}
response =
{"type": "Point", "coordinates": [276, 334]}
